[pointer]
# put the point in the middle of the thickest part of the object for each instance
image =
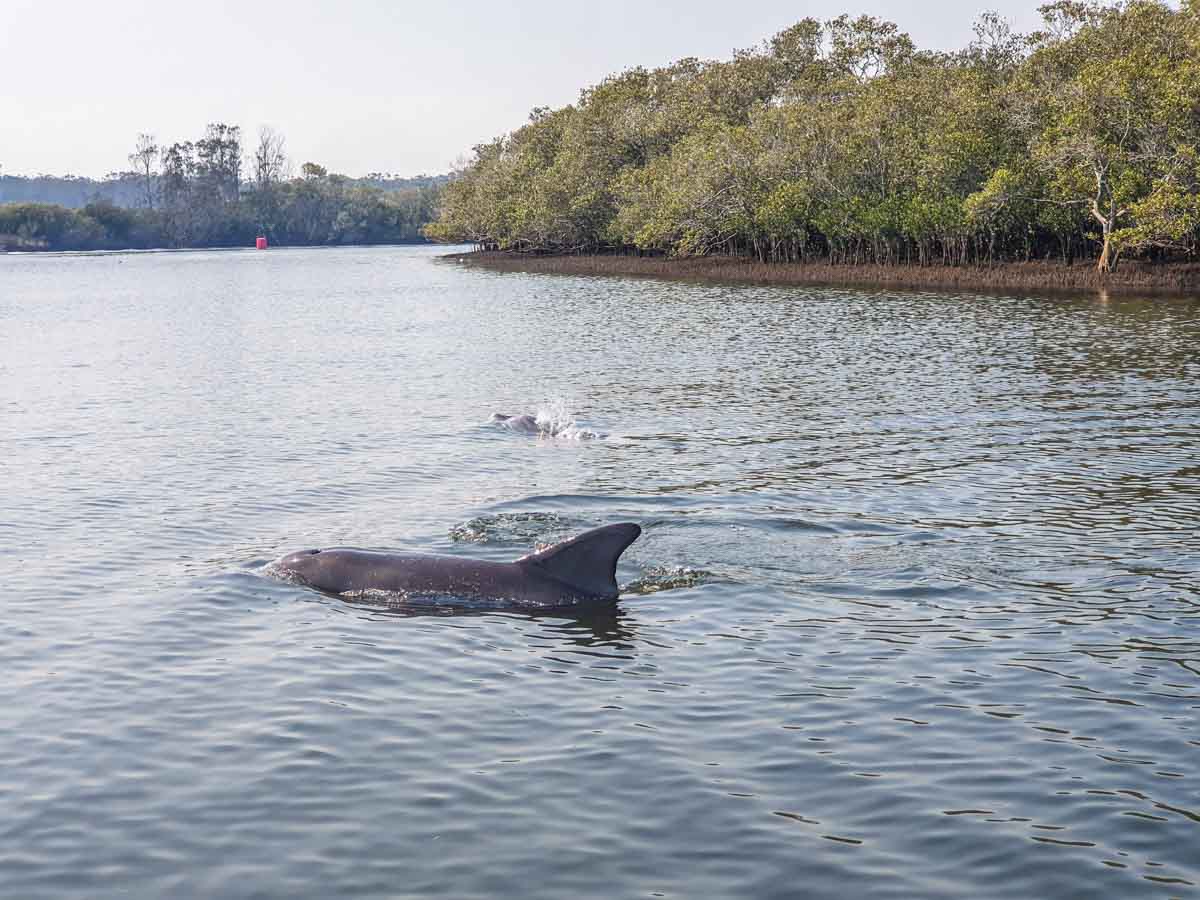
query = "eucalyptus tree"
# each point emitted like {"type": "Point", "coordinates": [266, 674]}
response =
{"type": "Point", "coordinates": [219, 162]}
{"type": "Point", "coordinates": [144, 161]}
{"type": "Point", "coordinates": [269, 170]}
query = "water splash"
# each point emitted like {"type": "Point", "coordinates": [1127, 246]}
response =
{"type": "Point", "coordinates": [666, 578]}
{"type": "Point", "coordinates": [556, 420]}
{"type": "Point", "coordinates": [277, 572]}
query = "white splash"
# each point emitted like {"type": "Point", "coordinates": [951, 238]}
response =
{"type": "Point", "coordinates": [554, 419]}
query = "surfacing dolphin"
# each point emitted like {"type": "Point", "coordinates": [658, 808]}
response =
{"type": "Point", "coordinates": [580, 570]}
{"type": "Point", "coordinates": [524, 423]}
{"type": "Point", "coordinates": [547, 425]}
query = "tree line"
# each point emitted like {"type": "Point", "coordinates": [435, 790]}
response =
{"type": "Point", "coordinates": [71, 191]}
{"type": "Point", "coordinates": [842, 141]}
{"type": "Point", "coordinates": [212, 193]}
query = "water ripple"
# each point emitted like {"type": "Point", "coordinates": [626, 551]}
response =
{"type": "Point", "coordinates": [914, 612]}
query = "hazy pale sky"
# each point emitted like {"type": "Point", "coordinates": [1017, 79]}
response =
{"type": "Point", "coordinates": [359, 85]}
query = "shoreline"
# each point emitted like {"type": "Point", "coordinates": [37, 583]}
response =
{"type": "Point", "coordinates": [97, 251]}
{"type": "Point", "coordinates": [1130, 277]}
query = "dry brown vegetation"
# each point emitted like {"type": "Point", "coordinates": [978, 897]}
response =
{"type": "Point", "coordinates": [1031, 276]}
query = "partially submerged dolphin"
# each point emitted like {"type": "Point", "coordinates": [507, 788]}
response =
{"type": "Point", "coordinates": [524, 423]}
{"type": "Point", "coordinates": [580, 570]}
{"type": "Point", "coordinates": [543, 425]}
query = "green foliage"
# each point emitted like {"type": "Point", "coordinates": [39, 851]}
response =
{"type": "Point", "coordinates": [1111, 97]}
{"type": "Point", "coordinates": [842, 139]}
{"type": "Point", "coordinates": [200, 199]}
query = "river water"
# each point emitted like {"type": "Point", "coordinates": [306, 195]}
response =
{"type": "Point", "coordinates": [915, 613]}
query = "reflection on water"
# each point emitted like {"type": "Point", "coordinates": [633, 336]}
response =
{"type": "Point", "coordinates": [914, 613]}
{"type": "Point", "coordinates": [603, 625]}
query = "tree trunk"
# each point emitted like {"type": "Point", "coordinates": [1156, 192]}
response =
{"type": "Point", "coordinates": [1105, 263]}
{"type": "Point", "coordinates": [1107, 256]}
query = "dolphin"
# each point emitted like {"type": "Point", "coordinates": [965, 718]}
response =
{"type": "Point", "coordinates": [580, 570]}
{"type": "Point", "coordinates": [524, 422]}
{"type": "Point", "coordinates": [547, 427]}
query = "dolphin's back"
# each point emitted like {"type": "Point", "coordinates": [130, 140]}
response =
{"type": "Point", "coordinates": [348, 570]}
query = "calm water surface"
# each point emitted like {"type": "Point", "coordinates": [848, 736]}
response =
{"type": "Point", "coordinates": [915, 613]}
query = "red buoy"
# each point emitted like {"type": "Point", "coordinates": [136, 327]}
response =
{"type": "Point", "coordinates": [260, 243]}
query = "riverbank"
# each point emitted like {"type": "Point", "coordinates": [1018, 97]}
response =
{"type": "Point", "coordinates": [1030, 276]}
{"type": "Point", "coordinates": [11, 244]}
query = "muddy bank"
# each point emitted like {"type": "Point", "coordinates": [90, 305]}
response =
{"type": "Point", "coordinates": [1176, 278]}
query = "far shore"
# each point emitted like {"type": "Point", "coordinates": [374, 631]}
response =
{"type": "Point", "coordinates": [1130, 276]}
{"type": "Point", "coordinates": [42, 250]}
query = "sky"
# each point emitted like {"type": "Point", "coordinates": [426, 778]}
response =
{"type": "Point", "coordinates": [360, 86]}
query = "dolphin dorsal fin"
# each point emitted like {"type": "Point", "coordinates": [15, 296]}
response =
{"type": "Point", "coordinates": [587, 562]}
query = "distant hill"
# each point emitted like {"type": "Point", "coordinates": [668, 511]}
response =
{"type": "Point", "coordinates": [123, 189]}
{"type": "Point", "coordinates": [70, 191]}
